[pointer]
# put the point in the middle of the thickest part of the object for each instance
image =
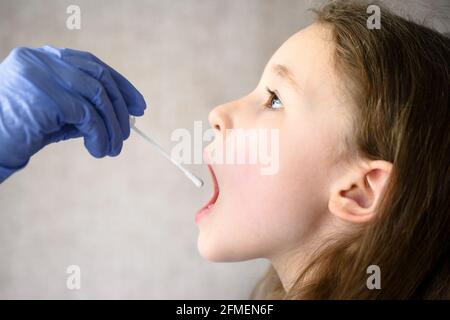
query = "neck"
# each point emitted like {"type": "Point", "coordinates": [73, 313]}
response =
{"type": "Point", "coordinates": [289, 264]}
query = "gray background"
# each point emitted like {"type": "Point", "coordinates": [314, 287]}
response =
{"type": "Point", "coordinates": [128, 222]}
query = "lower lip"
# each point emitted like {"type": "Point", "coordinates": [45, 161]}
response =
{"type": "Point", "coordinates": [202, 213]}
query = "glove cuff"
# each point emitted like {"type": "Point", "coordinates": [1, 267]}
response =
{"type": "Point", "coordinates": [5, 172]}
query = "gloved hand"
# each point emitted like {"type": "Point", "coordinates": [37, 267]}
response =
{"type": "Point", "coordinates": [48, 95]}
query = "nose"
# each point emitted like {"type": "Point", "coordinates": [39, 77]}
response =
{"type": "Point", "coordinates": [220, 118]}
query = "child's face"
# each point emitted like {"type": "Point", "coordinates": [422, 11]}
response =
{"type": "Point", "coordinates": [261, 216]}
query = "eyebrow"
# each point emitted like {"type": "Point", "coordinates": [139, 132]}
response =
{"type": "Point", "coordinates": [286, 74]}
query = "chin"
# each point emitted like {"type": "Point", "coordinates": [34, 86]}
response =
{"type": "Point", "coordinates": [213, 253]}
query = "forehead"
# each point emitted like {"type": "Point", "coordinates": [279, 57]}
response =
{"type": "Point", "coordinates": [308, 54]}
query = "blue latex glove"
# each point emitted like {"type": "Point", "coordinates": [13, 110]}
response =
{"type": "Point", "coordinates": [48, 95]}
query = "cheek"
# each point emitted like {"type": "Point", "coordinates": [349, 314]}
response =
{"type": "Point", "coordinates": [241, 219]}
{"type": "Point", "coordinates": [259, 215]}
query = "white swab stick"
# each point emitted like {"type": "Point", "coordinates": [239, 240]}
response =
{"type": "Point", "coordinates": [196, 180]}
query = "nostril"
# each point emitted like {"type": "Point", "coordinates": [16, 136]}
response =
{"type": "Point", "coordinates": [219, 118]}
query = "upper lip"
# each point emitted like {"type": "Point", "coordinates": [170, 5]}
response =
{"type": "Point", "coordinates": [208, 161]}
{"type": "Point", "coordinates": [215, 190]}
{"type": "Point", "coordinates": [215, 194]}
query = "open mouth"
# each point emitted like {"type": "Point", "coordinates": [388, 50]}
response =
{"type": "Point", "coordinates": [208, 206]}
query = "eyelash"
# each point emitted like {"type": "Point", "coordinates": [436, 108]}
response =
{"type": "Point", "coordinates": [272, 96]}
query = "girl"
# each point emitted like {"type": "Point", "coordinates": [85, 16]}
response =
{"type": "Point", "coordinates": [363, 182]}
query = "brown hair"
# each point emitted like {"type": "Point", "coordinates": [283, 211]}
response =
{"type": "Point", "coordinates": [402, 76]}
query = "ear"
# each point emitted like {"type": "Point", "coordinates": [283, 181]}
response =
{"type": "Point", "coordinates": [355, 197]}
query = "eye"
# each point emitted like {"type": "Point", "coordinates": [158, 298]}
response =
{"type": "Point", "coordinates": [273, 103]}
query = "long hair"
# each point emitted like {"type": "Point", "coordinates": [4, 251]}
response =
{"type": "Point", "coordinates": [400, 79]}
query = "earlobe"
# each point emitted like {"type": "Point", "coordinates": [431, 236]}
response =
{"type": "Point", "coordinates": [355, 197]}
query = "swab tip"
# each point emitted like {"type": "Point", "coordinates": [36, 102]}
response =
{"type": "Point", "coordinates": [195, 180]}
